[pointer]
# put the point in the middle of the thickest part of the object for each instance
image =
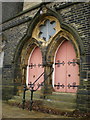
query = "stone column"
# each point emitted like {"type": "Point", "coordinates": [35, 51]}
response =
{"type": "Point", "coordinates": [83, 91]}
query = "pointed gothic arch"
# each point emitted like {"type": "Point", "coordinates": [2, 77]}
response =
{"type": "Point", "coordinates": [43, 13]}
{"type": "Point", "coordinates": [65, 32]}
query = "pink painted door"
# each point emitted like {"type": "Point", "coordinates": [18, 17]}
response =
{"type": "Point", "coordinates": [34, 69]}
{"type": "Point", "coordinates": [60, 69]}
{"type": "Point", "coordinates": [66, 69]}
{"type": "Point", "coordinates": [72, 69]}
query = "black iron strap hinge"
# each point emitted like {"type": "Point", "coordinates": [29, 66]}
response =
{"type": "Point", "coordinates": [58, 63]}
{"type": "Point", "coordinates": [46, 64]}
{"type": "Point", "coordinates": [73, 85]}
{"type": "Point", "coordinates": [59, 85]}
{"type": "Point", "coordinates": [73, 62]}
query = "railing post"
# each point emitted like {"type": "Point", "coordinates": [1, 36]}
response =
{"type": "Point", "coordinates": [23, 101]}
{"type": "Point", "coordinates": [32, 88]}
{"type": "Point", "coordinates": [31, 100]}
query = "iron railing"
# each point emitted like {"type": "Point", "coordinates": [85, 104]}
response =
{"type": "Point", "coordinates": [32, 89]}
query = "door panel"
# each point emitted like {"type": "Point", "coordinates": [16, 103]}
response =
{"type": "Point", "coordinates": [66, 74]}
{"type": "Point", "coordinates": [60, 69]}
{"type": "Point", "coordinates": [35, 69]}
{"type": "Point", "coordinates": [72, 69]}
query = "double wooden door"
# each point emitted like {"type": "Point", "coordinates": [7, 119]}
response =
{"type": "Point", "coordinates": [66, 73]}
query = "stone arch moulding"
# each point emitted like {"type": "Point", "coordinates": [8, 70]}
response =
{"type": "Point", "coordinates": [70, 34]}
{"type": "Point", "coordinates": [67, 33]}
{"type": "Point", "coordinates": [46, 29]}
{"type": "Point", "coordinates": [43, 14]}
{"type": "Point", "coordinates": [22, 47]}
{"type": "Point", "coordinates": [58, 40]}
{"type": "Point", "coordinates": [46, 12]}
{"type": "Point", "coordinates": [21, 56]}
{"type": "Point", "coordinates": [71, 30]}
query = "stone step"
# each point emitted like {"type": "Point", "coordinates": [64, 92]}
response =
{"type": "Point", "coordinates": [61, 101]}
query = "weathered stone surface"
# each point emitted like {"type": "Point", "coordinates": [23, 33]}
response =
{"type": "Point", "coordinates": [15, 31]}
{"type": "Point", "coordinates": [10, 9]}
{"type": "Point", "coordinates": [78, 16]}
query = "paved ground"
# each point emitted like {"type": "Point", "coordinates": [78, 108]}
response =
{"type": "Point", "coordinates": [15, 112]}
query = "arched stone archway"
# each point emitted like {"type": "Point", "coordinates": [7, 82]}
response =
{"type": "Point", "coordinates": [63, 32]}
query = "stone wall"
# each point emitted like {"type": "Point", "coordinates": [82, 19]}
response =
{"type": "Point", "coordinates": [78, 17]}
{"type": "Point", "coordinates": [13, 37]}
{"type": "Point", "coordinates": [10, 9]}
{"type": "Point", "coordinates": [75, 15]}
{"type": "Point", "coordinates": [27, 5]}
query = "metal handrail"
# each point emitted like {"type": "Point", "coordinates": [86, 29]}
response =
{"type": "Point", "coordinates": [32, 89]}
{"type": "Point", "coordinates": [37, 79]}
{"type": "Point", "coordinates": [46, 78]}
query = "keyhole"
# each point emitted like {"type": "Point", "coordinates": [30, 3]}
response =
{"type": "Point", "coordinates": [69, 75]}
{"type": "Point", "coordinates": [33, 76]}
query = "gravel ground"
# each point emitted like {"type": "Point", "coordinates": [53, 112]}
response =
{"type": "Point", "coordinates": [15, 112]}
